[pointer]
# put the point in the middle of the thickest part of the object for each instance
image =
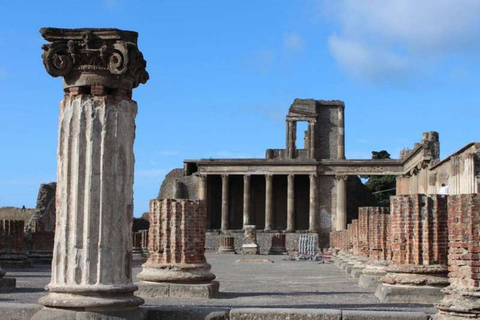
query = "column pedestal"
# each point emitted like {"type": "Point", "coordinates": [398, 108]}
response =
{"type": "Point", "coordinates": [278, 244]}
{"type": "Point", "coordinates": [250, 245]}
{"type": "Point", "coordinates": [227, 245]}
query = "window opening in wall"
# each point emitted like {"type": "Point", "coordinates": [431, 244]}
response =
{"type": "Point", "coordinates": [302, 127]}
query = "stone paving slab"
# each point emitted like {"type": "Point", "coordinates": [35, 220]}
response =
{"type": "Point", "coordinates": [281, 284]}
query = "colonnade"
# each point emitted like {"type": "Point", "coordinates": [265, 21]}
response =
{"type": "Point", "coordinates": [341, 219]}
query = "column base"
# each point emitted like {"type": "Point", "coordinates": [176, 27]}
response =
{"type": "Point", "coordinates": [458, 304]}
{"type": "Point", "coordinates": [178, 290]}
{"type": "Point", "coordinates": [64, 314]}
{"type": "Point", "coordinates": [7, 284]}
{"type": "Point", "coordinates": [230, 250]}
{"type": "Point", "coordinates": [250, 249]}
{"type": "Point", "coordinates": [88, 300]}
{"type": "Point", "coordinates": [408, 293]}
{"type": "Point", "coordinates": [186, 273]}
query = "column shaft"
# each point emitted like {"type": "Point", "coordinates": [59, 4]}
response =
{"type": "Point", "coordinates": [246, 200]}
{"type": "Point", "coordinates": [225, 203]}
{"type": "Point", "coordinates": [313, 203]}
{"type": "Point", "coordinates": [341, 133]}
{"type": "Point", "coordinates": [341, 220]}
{"type": "Point", "coordinates": [311, 127]}
{"type": "Point", "coordinates": [268, 202]}
{"type": "Point", "coordinates": [291, 203]}
{"type": "Point", "coordinates": [202, 187]}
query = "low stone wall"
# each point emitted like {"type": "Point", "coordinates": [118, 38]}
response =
{"type": "Point", "coordinates": [264, 240]}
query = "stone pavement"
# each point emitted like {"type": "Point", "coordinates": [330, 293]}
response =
{"type": "Point", "coordinates": [281, 284]}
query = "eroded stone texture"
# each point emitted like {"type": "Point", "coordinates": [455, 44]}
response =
{"type": "Point", "coordinates": [91, 268]}
{"type": "Point", "coordinates": [462, 297]}
{"type": "Point", "coordinates": [250, 245]}
{"type": "Point", "coordinates": [227, 244]}
{"type": "Point", "coordinates": [419, 250]}
{"type": "Point", "coordinates": [177, 254]}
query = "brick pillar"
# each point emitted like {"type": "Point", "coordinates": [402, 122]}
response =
{"type": "Point", "coordinates": [377, 246]}
{"type": "Point", "coordinates": [12, 244]}
{"type": "Point", "coordinates": [41, 247]}
{"type": "Point", "coordinates": [145, 251]}
{"type": "Point", "coordinates": [137, 249]}
{"type": "Point", "coordinates": [177, 261]}
{"type": "Point", "coordinates": [462, 298]}
{"type": "Point", "coordinates": [419, 257]}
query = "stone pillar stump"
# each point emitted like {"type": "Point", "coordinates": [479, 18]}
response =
{"type": "Point", "coordinates": [250, 245]}
{"type": "Point", "coordinates": [227, 244]}
{"type": "Point", "coordinates": [91, 267]}
{"type": "Point", "coordinates": [177, 266]}
{"type": "Point", "coordinates": [278, 244]}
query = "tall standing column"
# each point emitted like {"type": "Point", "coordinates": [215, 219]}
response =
{"type": "Point", "coordinates": [341, 202]}
{"type": "Point", "coordinates": [291, 138]}
{"type": "Point", "coordinates": [291, 203]}
{"type": "Point", "coordinates": [313, 203]}
{"type": "Point", "coordinates": [268, 202]}
{"type": "Point", "coordinates": [225, 202]}
{"type": "Point", "coordinates": [311, 130]}
{"type": "Point", "coordinates": [341, 132]}
{"type": "Point", "coordinates": [202, 187]}
{"type": "Point", "coordinates": [91, 267]}
{"type": "Point", "coordinates": [246, 200]}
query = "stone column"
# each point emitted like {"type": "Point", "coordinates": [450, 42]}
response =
{"type": "Point", "coordinates": [225, 202]}
{"type": "Point", "coordinates": [291, 203]}
{"type": "Point", "coordinates": [311, 130]}
{"type": "Point", "coordinates": [202, 187]}
{"type": "Point", "coordinates": [341, 132]}
{"type": "Point", "coordinates": [91, 268]}
{"type": "Point", "coordinates": [291, 138]}
{"type": "Point", "coordinates": [268, 202]}
{"type": "Point", "coordinates": [313, 203]}
{"type": "Point", "coordinates": [246, 200]}
{"type": "Point", "coordinates": [341, 202]}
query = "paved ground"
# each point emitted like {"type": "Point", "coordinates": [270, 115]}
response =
{"type": "Point", "coordinates": [291, 284]}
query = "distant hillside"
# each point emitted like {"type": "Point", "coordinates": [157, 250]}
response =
{"type": "Point", "coordinates": [12, 213]}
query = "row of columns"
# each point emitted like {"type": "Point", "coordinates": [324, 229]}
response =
{"type": "Point", "coordinates": [341, 220]}
{"type": "Point", "coordinates": [292, 137]}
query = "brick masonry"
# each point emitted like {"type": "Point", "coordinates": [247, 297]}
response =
{"type": "Point", "coordinates": [12, 236]}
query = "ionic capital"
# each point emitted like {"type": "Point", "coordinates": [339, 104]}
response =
{"type": "Point", "coordinates": [341, 177]}
{"type": "Point", "coordinates": [106, 58]}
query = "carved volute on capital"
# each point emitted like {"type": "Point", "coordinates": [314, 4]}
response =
{"type": "Point", "coordinates": [341, 177]}
{"type": "Point", "coordinates": [313, 177]}
{"type": "Point", "coordinates": [94, 57]}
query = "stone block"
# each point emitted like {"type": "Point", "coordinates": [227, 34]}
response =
{"type": "Point", "coordinates": [64, 314]}
{"type": "Point", "coordinates": [175, 313]}
{"type": "Point", "coordinates": [284, 314]}
{"type": "Point", "coordinates": [177, 290]}
{"type": "Point", "coordinates": [408, 293]}
{"type": "Point", "coordinates": [18, 311]}
{"type": "Point", "coordinates": [382, 315]}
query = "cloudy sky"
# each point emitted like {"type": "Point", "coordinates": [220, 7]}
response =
{"type": "Point", "coordinates": [223, 74]}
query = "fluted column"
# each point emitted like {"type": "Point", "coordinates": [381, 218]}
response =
{"type": "Point", "coordinates": [246, 200]}
{"type": "Point", "coordinates": [313, 203]}
{"type": "Point", "coordinates": [202, 187]}
{"type": "Point", "coordinates": [341, 132]}
{"type": "Point", "coordinates": [91, 268]}
{"type": "Point", "coordinates": [291, 203]}
{"type": "Point", "coordinates": [268, 202]}
{"type": "Point", "coordinates": [225, 202]}
{"type": "Point", "coordinates": [341, 220]}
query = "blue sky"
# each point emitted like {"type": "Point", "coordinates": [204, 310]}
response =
{"type": "Point", "coordinates": [223, 74]}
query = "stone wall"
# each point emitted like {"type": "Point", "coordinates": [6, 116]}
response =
{"type": "Point", "coordinates": [45, 211]}
{"type": "Point", "coordinates": [174, 179]}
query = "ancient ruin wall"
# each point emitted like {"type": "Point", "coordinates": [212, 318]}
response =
{"type": "Point", "coordinates": [12, 237]}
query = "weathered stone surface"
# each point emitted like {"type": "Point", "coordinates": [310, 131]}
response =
{"type": "Point", "coordinates": [172, 313]}
{"type": "Point", "coordinates": [91, 267]}
{"type": "Point", "coordinates": [382, 315]}
{"type": "Point", "coordinates": [178, 290]}
{"type": "Point", "coordinates": [18, 311]}
{"type": "Point", "coordinates": [250, 245]}
{"type": "Point", "coordinates": [408, 293]}
{"type": "Point", "coordinates": [7, 284]}
{"type": "Point", "coordinates": [284, 314]}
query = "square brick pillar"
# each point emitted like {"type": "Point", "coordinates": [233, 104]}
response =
{"type": "Point", "coordinates": [462, 298]}
{"type": "Point", "coordinates": [177, 266]}
{"type": "Point", "coordinates": [376, 239]}
{"type": "Point", "coordinates": [418, 270]}
{"type": "Point", "coordinates": [12, 244]}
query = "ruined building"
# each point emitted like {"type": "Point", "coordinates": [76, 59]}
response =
{"type": "Point", "coordinates": [307, 190]}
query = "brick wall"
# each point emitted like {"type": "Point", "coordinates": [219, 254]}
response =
{"type": "Point", "coordinates": [418, 229]}
{"type": "Point", "coordinates": [378, 231]}
{"type": "Point", "coordinates": [12, 237]}
{"type": "Point", "coordinates": [43, 240]}
{"type": "Point", "coordinates": [177, 232]}
{"type": "Point", "coordinates": [464, 241]}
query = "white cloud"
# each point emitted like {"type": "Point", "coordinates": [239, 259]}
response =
{"type": "Point", "coordinates": [293, 41]}
{"type": "Point", "coordinates": [378, 39]}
